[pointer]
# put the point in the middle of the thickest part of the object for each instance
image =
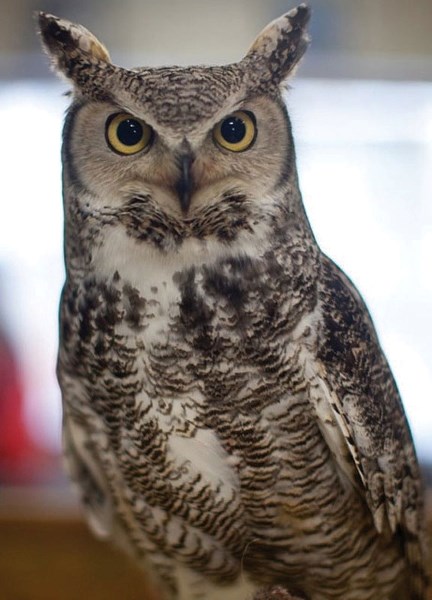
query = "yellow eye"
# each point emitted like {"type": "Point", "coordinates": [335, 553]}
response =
{"type": "Point", "coordinates": [126, 134]}
{"type": "Point", "coordinates": [237, 132]}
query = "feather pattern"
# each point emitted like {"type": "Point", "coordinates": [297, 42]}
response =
{"type": "Point", "coordinates": [229, 416]}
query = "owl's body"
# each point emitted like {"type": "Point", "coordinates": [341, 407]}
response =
{"type": "Point", "coordinates": [229, 415]}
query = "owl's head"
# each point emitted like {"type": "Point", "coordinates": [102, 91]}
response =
{"type": "Point", "coordinates": [172, 157]}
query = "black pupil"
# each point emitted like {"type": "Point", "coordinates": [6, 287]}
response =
{"type": "Point", "coordinates": [233, 130]}
{"type": "Point", "coordinates": [130, 132]}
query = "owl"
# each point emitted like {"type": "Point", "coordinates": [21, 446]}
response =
{"type": "Point", "coordinates": [230, 419]}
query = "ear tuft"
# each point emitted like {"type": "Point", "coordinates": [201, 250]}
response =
{"type": "Point", "coordinates": [279, 47]}
{"type": "Point", "coordinates": [66, 43]}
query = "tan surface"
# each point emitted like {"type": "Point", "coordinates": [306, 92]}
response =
{"type": "Point", "coordinates": [59, 559]}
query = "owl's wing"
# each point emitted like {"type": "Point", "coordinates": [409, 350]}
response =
{"type": "Point", "coordinates": [361, 415]}
{"type": "Point", "coordinates": [85, 471]}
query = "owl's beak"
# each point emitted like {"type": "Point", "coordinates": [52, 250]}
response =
{"type": "Point", "coordinates": [184, 185]}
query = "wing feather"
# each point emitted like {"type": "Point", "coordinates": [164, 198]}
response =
{"type": "Point", "coordinates": [365, 424]}
{"type": "Point", "coordinates": [87, 475]}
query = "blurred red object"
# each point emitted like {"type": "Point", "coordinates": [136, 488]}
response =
{"type": "Point", "coordinates": [16, 447]}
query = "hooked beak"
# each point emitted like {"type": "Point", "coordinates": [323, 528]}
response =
{"type": "Point", "coordinates": [184, 185]}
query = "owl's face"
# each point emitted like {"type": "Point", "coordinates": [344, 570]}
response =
{"type": "Point", "coordinates": [176, 154]}
{"type": "Point", "coordinates": [238, 145]}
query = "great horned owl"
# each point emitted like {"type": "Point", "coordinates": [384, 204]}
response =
{"type": "Point", "coordinates": [229, 416]}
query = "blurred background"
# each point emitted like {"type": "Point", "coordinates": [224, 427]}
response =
{"type": "Point", "coordinates": [361, 107]}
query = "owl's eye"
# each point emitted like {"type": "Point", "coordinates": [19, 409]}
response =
{"type": "Point", "coordinates": [126, 134]}
{"type": "Point", "coordinates": [237, 132]}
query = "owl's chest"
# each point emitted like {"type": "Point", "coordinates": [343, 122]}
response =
{"type": "Point", "coordinates": [196, 383]}
{"type": "Point", "coordinates": [227, 335]}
